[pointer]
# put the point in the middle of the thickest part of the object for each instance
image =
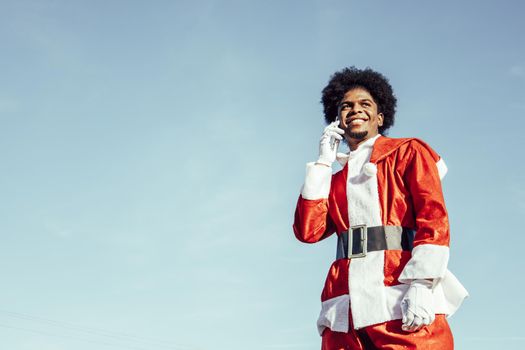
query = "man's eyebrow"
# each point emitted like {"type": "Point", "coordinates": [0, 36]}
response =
{"type": "Point", "coordinates": [359, 100]}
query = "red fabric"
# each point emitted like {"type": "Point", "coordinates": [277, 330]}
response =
{"type": "Point", "coordinates": [318, 219]}
{"type": "Point", "coordinates": [409, 186]}
{"type": "Point", "coordinates": [337, 280]}
{"type": "Point", "coordinates": [390, 336]}
{"type": "Point", "coordinates": [337, 201]}
{"type": "Point", "coordinates": [312, 222]}
{"type": "Point", "coordinates": [395, 261]}
{"type": "Point", "coordinates": [424, 184]}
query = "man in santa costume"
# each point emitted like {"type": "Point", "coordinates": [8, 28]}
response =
{"type": "Point", "coordinates": [389, 287]}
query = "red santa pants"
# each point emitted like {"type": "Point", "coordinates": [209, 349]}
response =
{"type": "Point", "coordinates": [389, 335]}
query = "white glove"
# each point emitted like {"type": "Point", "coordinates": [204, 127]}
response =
{"type": "Point", "coordinates": [417, 306]}
{"type": "Point", "coordinates": [329, 143]}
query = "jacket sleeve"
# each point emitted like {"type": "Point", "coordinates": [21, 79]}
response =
{"type": "Point", "coordinates": [312, 221]}
{"type": "Point", "coordinates": [431, 243]}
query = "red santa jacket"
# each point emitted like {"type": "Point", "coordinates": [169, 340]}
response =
{"type": "Point", "coordinates": [402, 183]}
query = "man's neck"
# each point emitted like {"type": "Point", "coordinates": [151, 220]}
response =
{"type": "Point", "coordinates": [355, 143]}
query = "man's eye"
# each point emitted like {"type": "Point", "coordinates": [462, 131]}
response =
{"type": "Point", "coordinates": [345, 107]}
{"type": "Point", "coordinates": [366, 104]}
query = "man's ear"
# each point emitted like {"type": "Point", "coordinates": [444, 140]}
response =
{"type": "Point", "coordinates": [381, 119]}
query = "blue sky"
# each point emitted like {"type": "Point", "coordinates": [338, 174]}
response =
{"type": "Point", "coordinates": [153, 152]}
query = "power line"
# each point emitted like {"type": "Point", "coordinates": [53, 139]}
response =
{"type": "Point", "coordinates": [72, 337]}
{"type": "Point", "coordinates": [91, 331]}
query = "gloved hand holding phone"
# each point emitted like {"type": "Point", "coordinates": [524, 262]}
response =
{"type": "Point", "coordinates": [329, 143]}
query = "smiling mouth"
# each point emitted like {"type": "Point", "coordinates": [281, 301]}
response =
{"type": "Point", "coordinates": [356, 121]}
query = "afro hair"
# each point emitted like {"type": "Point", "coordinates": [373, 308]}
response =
{"type": "Point", "coordinates": [375, 83]}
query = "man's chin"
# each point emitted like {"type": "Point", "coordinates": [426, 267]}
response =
{"type": "Point", "coordinates": [357, 135]}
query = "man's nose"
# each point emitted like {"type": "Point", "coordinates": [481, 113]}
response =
{"type": "Point", "coordinates": [356, 109]}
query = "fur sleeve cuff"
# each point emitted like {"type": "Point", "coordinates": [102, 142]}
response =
{"type": "Point", "coordinates": [317, 182]}
{"type": "Point", "coordinates": [442, 168]}
{"type": "Point", "coordinates": [428, 261]}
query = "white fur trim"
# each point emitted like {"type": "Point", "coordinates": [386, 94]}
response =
{"type": "Point", "coordinates": [442, 168]}
{"type": "Point", "coordinates": [453, 292]}
{"type": "Point", "coordinates": [370, 169]}
{"type": "Point", "coordinates": [367, 289]}
{"type": "Point", "coordinates": [366, 284]}
{"type": "Point", "coordinates": [342, 158]}
{"type": "Point", "coordinates": [448, 295]}
{"type": "Point", "coordinates": [334, 314]}
{"type": "Point", "coordinates": [394, 295]}
{"type": "Point", "coordinates": [316, 182]}
{"type": "Point", "coordinates": [362, 191]}
{"type": "Point", "coordinates": [427, 261]}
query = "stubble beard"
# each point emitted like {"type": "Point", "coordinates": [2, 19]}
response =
{"type": "Point", "coordinates": [357, 135]}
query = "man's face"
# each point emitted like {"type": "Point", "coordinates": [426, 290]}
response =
{"type": "Point", "coordinates": [358, 113]}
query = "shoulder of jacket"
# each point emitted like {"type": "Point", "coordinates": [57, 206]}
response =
{"type": "Point", "coordinates": [421, 146]}
{"type": "Point", "coordinates": [385, 146]}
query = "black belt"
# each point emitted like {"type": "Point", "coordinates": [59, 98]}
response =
{"type": "Point", "coordinates": [368, 239]}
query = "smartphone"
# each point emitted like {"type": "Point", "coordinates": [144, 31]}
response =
{"type": "Point", "coordinates": [335, 142]}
